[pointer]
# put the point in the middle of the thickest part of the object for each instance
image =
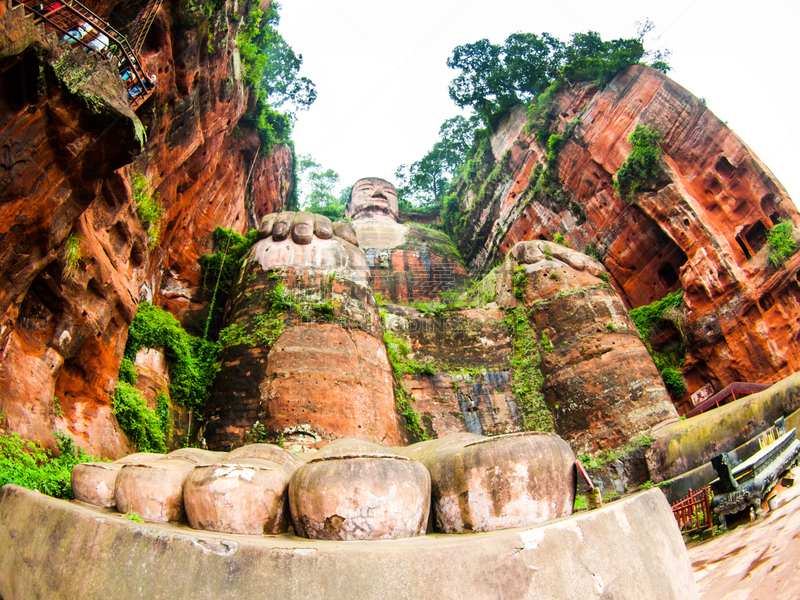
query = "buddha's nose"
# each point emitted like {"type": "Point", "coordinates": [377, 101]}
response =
{"type": "Point", "coordinates": [378, 194]}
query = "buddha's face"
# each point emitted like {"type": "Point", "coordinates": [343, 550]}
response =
{"type": "Point", "coordinates": [373, 197]}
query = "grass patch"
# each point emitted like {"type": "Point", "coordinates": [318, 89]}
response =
{"type": "Point", "coordinates": [602, 457]}
{"type": "Point", "coordinates": [526, 377]}
{"type": "Point", "coordinates": [71, 256]}
{"type": "Point", "coordinates": [29, 465]}
{"type": "Point", "coordinates": [148, 208]}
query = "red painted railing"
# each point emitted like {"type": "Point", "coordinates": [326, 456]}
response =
{"type": "Point", "coordinates": [693, 513]}
{"type": "Point", "coordinates": [737, 388]}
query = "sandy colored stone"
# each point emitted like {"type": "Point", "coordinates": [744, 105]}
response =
{"type": "Point", "coordinates": [154, 490]}
{"type": "Point", "coordinates": [323, 228]}
{"type": "Point", "coordinates": [627, 550]}
{"type": "Point", "coordinates": [487, 484]}
{"type": "Point", "coordinates": [94, 482]}
{"type": "Point", "coordinates": [345, 230]}
{"type": "Point", "coordinates": [303, 227]}
{"type": "Point", "coordinates": [328, 254]}
{"type": "Point", "coordinates": [372, 197]}
{"type": "Point", "coordinates": [267, 223]}
{"type": "Point", "coordinates": [355, 490]}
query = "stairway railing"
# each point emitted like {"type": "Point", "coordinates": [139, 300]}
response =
{"type": "Point", "coordinates": [81, 25]}
{"type": "Point", "coordinates": [142, 23]}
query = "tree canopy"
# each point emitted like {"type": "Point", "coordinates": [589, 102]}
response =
{"type": "Point", "coordinates": [424, 182]}
{"type": "Point", "coordinates": [318, 188]}
{"type": "Point", "coordinates": [494, 77]}
{"type": "Point", "coordinates": [271, 69]}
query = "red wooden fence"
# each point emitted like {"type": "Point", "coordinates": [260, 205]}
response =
{"type": "Point", "coordinates": [693, 512]}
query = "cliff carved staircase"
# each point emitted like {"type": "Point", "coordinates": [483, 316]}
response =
{"type": "Point", "coordinates": [78, 24]}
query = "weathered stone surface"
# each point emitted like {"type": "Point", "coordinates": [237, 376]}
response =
{"type": "Point", "coordinates": [468, 351]}
{"type": "Point", "coordinates": [409, 262]}
{"type": "Point", "coordinates": [243, 493]}
{"type": "Point", "coordinates": [63, 133]}
{"type": "Point", "coordinates": [680, 446]}
{"type": "Point", "coordinates": [699, 225]}
{"type": "Point", "coordinates": [66, 139]}
{"type": "Point", "coordinates": [600, 382]}
{"type": "Point", "coordinates": [94, 482]}
{"type": "Point", "coordinates": [485, 484]}
{"type": "Point", "coordinates": [372, 198]}
{"type": "Point", "coordinates": [627, 550]}
{"type": "Point", "coordinates": [153, 490]}
{"type": "Point", "coordinates": [321, 371]}
{"type": "Point", "coordinates": [355, 490]}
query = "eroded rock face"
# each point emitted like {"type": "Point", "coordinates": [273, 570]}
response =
{"type": "Point", "coordinates": [72, 255]}
{"type": "Point", "coordinates": [245, 492]}
{"type": "Point", "coordinates": [699, 225]}
{"type": "Point", "coordinates": [466, 354]}
{"type": "Point", "coordinates": [68, 139]}
{"type": "Point", "coordinates": [310, 365]}
{"type": "Point", "coordinates": [153, 489]}
{"type": "Point", "coordinates": [485, 484]}
{"type": "Point", "coordinates": [355, 490]}
{"type": "Point", "coordinates": [600, 382]}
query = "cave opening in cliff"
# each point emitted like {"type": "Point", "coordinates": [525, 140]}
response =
{"type": "Point", "coordinates": [668, 275]}
{"type": "Point", "coordinates": [744, 247]}
{"type": "Point", "coordinates": [18, 85]}
{"type": "Point", "coordinates": [43, 304]}
{"type": "Point", "coordinates": [755, 236]}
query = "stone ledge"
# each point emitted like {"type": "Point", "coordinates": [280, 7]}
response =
{"type": "Point", "coordinates": [53, 549]}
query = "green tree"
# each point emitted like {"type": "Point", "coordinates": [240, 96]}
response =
{"type": "Point", "coordinates": [425, 182]}
{"type": "Point", "coordinates": [318, 188]}
{"type": "Point", "coordinates": [271, 70]}
{"type": "Point", "coordinates": [494, 77]}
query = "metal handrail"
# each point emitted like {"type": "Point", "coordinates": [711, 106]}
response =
{"type": "Point", "coordinates": [128, 59]}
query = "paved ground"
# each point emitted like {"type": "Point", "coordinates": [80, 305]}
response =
{"type": "Point", "coordinates": [755, 561]}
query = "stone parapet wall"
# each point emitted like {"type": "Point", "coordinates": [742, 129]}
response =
{"type": "Point", "coordinates": [628, 550]}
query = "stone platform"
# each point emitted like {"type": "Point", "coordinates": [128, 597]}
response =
{"type": "Point", "coordinates": [54, 549]}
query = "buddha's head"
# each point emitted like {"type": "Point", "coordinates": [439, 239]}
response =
{"type": "Point", "coordinates": [372, 197]}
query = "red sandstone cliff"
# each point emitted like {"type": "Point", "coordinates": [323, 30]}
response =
{"type": "Point", "coordinates": [69, 145]}
{"type": "Point", "coordinates": [701, 225]}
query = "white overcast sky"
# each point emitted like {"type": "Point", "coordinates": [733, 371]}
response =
{"type": "Point", "coordinates": [381, 74]}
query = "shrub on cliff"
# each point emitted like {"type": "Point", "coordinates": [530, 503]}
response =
{"type": "Point", "coordinates": [148, 208]}
{"type": "Point", "coordinates": [28, 464]}
{"type": "Point", "coordinates": [673, 381]}
{"type": "Point", "coordinates": [220, 270]}
{"type": "Point", "coordinates": [140, 423]}
{"type": "Point", "coordinates": [641, 162]}
{"type": "Point", "coordinates": [649, 316]}
{"type": "Point", "coordinates": [781, 244]}
{"type": "Point", "coordinates": [192, 360]}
